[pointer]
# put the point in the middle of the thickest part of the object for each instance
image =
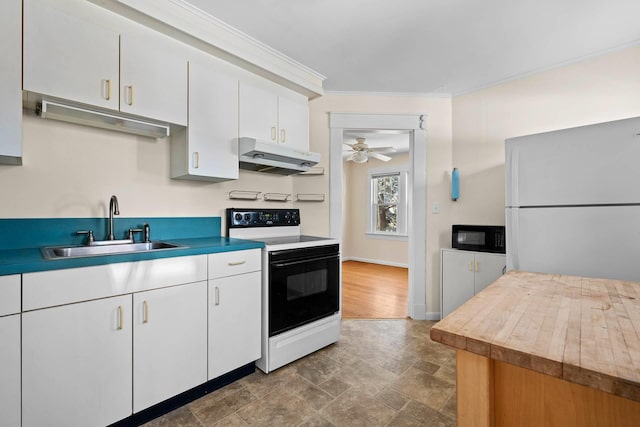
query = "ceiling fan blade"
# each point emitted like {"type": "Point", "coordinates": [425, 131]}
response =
{"type": "Point", "coordinates": [349, 157]}
{"type": "Point", "coordinates": [380, 156]}
{"type": "Point", "coordinates": [383, 149]}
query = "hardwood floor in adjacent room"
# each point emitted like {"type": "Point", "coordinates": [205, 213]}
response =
{"type": "Point", "coordinates": [373, 291]}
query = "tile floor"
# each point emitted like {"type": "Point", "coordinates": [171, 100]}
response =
{"type": "Point", "coordinates": [380, 373]}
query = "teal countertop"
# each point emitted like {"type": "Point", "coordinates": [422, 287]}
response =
{"type": "Point", "coordinates": [21, 240]}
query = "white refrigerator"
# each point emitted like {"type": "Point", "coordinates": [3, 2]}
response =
{"type": "Point", "coordinates": [573, 201]}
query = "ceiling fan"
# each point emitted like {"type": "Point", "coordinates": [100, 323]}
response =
{"type": "Point", "coordinates": [360, 152]}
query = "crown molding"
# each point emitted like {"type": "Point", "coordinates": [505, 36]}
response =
{"type": "Point", "coordinates": [195, 27]}
{"type": "Point", "coordinates": [394, 94]}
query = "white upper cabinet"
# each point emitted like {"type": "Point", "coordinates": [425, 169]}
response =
{"type": "Point", "coordinates": [208, 148]}
{"type": "Point", "coordinates": [153, 76]}
{"type": "Point", "coordinates": [293, 119]}
{"type": "Point", "coordinates": [10, 70]}
{"type": "Point", "coordinates": [258, 113]}
{"type": "Point", "coordinates": [77, 51]}
{"type": "Point", "coordinates": [69, 56]}
{"type": "Point", "coordinates": [268, 116]}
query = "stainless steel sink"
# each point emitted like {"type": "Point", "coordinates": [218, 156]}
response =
{"type": "Point", "coordinates": [56, 252]}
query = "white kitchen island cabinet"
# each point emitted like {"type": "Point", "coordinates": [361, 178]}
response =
{"type": "Point", "coordinates": [268, 116]}
{"type": "Point", "coordinates": [76, 364]}
{"type": "Point", "coordinates": [465, 273]}
{"type": "Point", "coordinates": [10, 350]}
{"type": "Point", "coordinates": [78, 51]}
{"type": "Point", "coordinates": [207, 149]}
{"type": "Point", "coordinates": [170, 342]}
{"type": "Point", "coordinates": [234, 310]}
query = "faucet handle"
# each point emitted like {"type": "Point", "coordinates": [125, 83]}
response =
{"type": "Point", "coordinates": [133, 230]}
{"type": "Point", "coordinates": [89, 233]}
{"type": "Point", "coordinates": [147, 233]}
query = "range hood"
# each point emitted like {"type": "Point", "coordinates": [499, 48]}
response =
{"type": "Point", "coordinates": [73, 114]}
{"type": "Point", "coordinates": [274, 158]}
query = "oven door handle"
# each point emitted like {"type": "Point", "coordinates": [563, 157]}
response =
{"type": "Point", "coordinates": [287, 264]}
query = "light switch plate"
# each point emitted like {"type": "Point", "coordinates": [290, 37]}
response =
{"type": "Point", "coordinates": [435, 208]}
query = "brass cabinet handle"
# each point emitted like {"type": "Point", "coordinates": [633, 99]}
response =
{"type": "Point", "coordinates": [273, 133]}
{"type": "Point", "coordinates": [232, 263]}
{"type": "Point", "coordinates": [107, 89]}
{"type": "Point", "coordinates": [217, 297]}
{"type": "Point", "coordinates": [470, 266]}
{"type": "Point", "coordinates": [129, 95]}
{"type": "Point", "coordinates": [145, 318]}
{"type": "Point", "coordinates": [477, 266]}
{"type": "Point", "coordinates": [283, 135]}
{"type": "Point", "coordinates": [196, 159]}
{"type": "Point", "coordinates": [120, 318]}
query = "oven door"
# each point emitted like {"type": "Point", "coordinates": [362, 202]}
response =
{"type": "Point", "coordinates": [304, 285]}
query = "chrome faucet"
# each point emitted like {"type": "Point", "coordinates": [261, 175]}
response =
{"type": "Point", "coordinates": [113, 210]}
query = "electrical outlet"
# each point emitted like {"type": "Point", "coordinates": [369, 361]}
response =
{"type": "Point", "coordinates": [435, 208]}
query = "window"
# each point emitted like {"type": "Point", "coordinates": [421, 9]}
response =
{"type": "Point", "coordinates": [388, 202]}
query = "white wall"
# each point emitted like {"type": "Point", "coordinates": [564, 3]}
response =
{"type": "Point", "coordinates": [595, 90]}
{"type": "Point", "coordinates": [71, 171]}
{"type": "Point", "coordinates": [356, 243]}
{"type": "Point", "coordinates": [438, 125]}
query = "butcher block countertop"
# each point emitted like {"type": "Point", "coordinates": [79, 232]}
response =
{"type": "Point", "coordinates": [582, 330]}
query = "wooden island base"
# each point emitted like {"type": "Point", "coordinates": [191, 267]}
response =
{"type": "Point", "coordinates": [494, 393]}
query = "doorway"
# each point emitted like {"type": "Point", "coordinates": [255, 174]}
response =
{"type": "Point", "coordinates": [412, 124]}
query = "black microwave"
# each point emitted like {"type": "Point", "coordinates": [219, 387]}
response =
{"type": "Point", "coordinates": [483, 238]}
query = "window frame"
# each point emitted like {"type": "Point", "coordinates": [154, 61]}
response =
{"type": "Point", "coordinates": [402, 205]}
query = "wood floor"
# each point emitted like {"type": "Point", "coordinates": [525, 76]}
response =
{"type": "Point", "coordinates": [373, 291]}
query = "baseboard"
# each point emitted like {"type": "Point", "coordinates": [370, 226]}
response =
{"type": "Point", "coordinates": [376, 261]}
{"type": "Point", "coordinates": [432, 315]}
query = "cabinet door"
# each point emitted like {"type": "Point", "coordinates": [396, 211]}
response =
{"type": "Point", "coordinates": [258, 113]}
{"type": "Point", "coordinates": [170, 342]}
{"type": "Point", "coordinates": [76, 364]}
{"type": "Point", "coordinates": [10, 370]}
{"type": "Point", "coordinates": [67, 56]}
{"type": "Point", "coordinates": [457, 279]}
{"type": "Point", "coordinates": [293, 119]}
{"type": "Point", "coordinates": [10, 70]}
{"type": "Point", "coordinates": [488, 268]}
{"type": "Point", "coordinates": [234, 322]}
{"type": "Point", "coordinates": [213, 122]}
{"type": "Point", "coordinates": [153, 77]}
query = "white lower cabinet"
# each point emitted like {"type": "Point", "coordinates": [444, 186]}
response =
{"type": "Point", "coordinates": [101, 343]}
{"type": "Point", "coordinates": [169, 342]}
{"type": "Point", "coordinates": [76, 363]}
{"type": "Point", "coordinates": [235, 313]}
{"type": "Point", "coordinates": [465, 273]}
{"type": "Point", "coordinates": [10, 370]}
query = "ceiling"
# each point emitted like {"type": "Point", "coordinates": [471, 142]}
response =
{"type": "Point", "coordinates": [422, 46]}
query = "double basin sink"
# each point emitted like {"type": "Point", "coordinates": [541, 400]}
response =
{"type": "Point", "coordinates": [58, 252]}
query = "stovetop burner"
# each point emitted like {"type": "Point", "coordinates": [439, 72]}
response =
{"type": "Point", "coordinates": [278, 229]}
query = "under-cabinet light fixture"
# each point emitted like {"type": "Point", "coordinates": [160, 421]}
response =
{"type": "Point", "coordinates": [72, 114]}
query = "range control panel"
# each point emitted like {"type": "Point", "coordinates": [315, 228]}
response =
{"type": "Point", "coordinates": [246, 218]}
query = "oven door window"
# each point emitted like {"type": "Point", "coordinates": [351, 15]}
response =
{"type": "Point", "coordinates": [303, 286]}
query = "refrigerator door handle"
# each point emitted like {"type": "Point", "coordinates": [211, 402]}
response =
{"type": "Point", "coordinates": [512, 172]}
{"type": "Point", "coordinates": [513, 261]}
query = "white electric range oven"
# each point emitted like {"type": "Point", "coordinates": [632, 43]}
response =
{"type": "Point", "coordinates": [301, 278]}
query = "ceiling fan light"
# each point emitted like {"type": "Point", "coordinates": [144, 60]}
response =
{"type": "Point", "coordinates": [360, 157]}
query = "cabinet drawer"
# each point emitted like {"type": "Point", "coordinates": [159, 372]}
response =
{"type": "Point", "coordinates": [236, 262]}
{"type": "Point", "coordinates": [9, 294]}
{"type": "Point", "coordinates": [49, 288]}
